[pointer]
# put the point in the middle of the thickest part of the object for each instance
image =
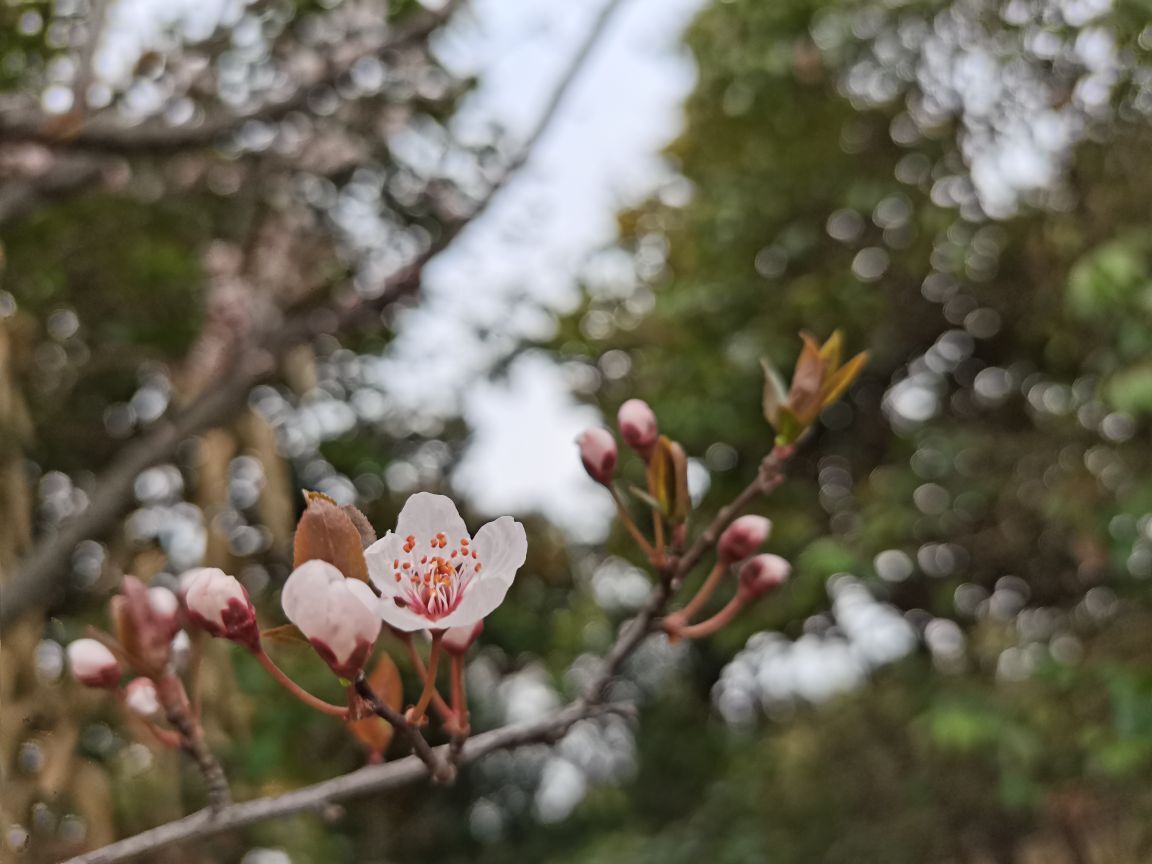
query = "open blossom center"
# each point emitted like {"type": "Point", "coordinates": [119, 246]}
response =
{"type": "Point", "coordinates": [433, 581]}
{"type": "Point", "coordinates": [432, 573]}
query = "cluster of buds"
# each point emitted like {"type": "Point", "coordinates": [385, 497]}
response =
{"type": "Point", "coordinates": [146, 628]}
{"type": "Point", "coordinates": [666, 474]}
{"type": "Point", "coordinates": [818, 381]}
{"type": "Point", "coordinates": [757, 574]}
{"type": "Point", "coordinates": [145, 622]}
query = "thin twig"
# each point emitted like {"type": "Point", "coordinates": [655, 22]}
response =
{"type": "Point", "coordinates": [440, 770]}
{"type": "Point", "coordinates": [633, 632]}
{"type": "Point", "coordinates": [106, 134]}
{"type": "Point", "coordinates": [178, 712]}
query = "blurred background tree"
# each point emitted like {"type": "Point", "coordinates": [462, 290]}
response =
{"type": "Point", "coordinates": [961, 670]}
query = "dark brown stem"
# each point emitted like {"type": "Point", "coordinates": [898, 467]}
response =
{"type": "Point", "coordinates": [439, 770]}
{"type": "Point", "coordinates": [317, 797]}
{"type": "Point", "coordinates": [177, 710]}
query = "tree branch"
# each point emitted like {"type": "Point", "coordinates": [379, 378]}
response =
{"type": "Point", "coordinates": [108, 135]}
{"type": "Point", "coordinates": [42, 573]}
{"type": "Point", "coordinates": [378, 778]}
{"type": "Point", "coordinates": [440, 769]}
{"type": "Point", "coordinates": [370, 779]}
{"type": "Point", "coordinates": [634, 631]}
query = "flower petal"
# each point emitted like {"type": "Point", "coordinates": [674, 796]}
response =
{"type": "Point", "coordinates": [425, 515]}
{"type": "Point", "coordinates": [502, 547]}
{"type": "Point", "coordinates": [302, 592]}
{"type": "Point", "coordinates": [348, 620]}
{"type": "Point", "coordinates": [478, 602]}
{"type": "Point", "coordinates": [401, 618]}
{"type": "Point", "coordinates": [380, 556]}
{"type": "Point", "coordinates": [362, 593]}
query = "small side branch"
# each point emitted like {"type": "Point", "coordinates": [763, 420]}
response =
{"type": "Point", "coordinates": [439, 768]}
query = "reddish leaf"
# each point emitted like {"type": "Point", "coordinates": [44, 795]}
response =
{"type": "Point", "coordinates": [325, 532]}
{"type": "Point", "coordinates": [362, 525]}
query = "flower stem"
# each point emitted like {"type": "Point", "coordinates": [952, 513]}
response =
{"type": "Point", "coordinates": [295, 689]}
{"type": "Point", "coordinates": [629, 524]}
{"type": "Point", "coordinates": [658, 537]}
{"type": "Point", "coordinates": [416, 715]}
{"type": "Point", "coordinates": [707, 628]}
{"type": "Point", "coordinates": [459, 700]}
{"type": "Point", "coordinates": [688, 612]}
{"type": "Point", "coordinates": [167, 737]}
{"type": "Point", "coordinates": [174, 700]}
{"type": "Point", "coordinates": [418, 664]}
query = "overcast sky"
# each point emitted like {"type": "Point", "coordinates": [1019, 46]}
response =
{"type": "Point", "coordinates": [601, 155]}
{"type": "Point", "coordinates": [521, 261]}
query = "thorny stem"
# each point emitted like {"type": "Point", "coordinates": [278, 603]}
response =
{"type": "Point", "coordinates": [416, 715]}
{"type": "Point", "coordinates": [174, 701]}
{"type": "Point", "coordinates": [629, 524]}
{"type": "Point", "coordinates": [295, 689]}
{"type": "Point", "coordinates": [418, 664]}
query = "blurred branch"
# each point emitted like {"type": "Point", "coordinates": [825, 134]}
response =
{"type": "Point", "coordinates": [103, 134]}
{"type": "Point", "coordinates": [43, 571]}
{"type": "Point", "coordinates": [23, 195]}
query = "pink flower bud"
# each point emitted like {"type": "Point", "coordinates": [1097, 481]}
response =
{"type": "Point", "coordinates": [141, 699]}
{"type": "Point", "coordinates": [218, 603]}
{"type": "Point", "coordinates": [145, 622]}
{"type": "Point", "coordinates": [638, 425]}
{"type": "Point", "coordinates": [762, 574]}
{"type": "Point", "coordinates": [166, 607]}
{"type": "Point", "coordinates": [742, 538]}
{"type": "Point", "coordinates": [457, 640]}
{"type": "Point", "coordinates": [93, 665]}
{"type": "Point", "coordinates": [598, 453]}
{"type": "Point", "coordinates": [339, 616]}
